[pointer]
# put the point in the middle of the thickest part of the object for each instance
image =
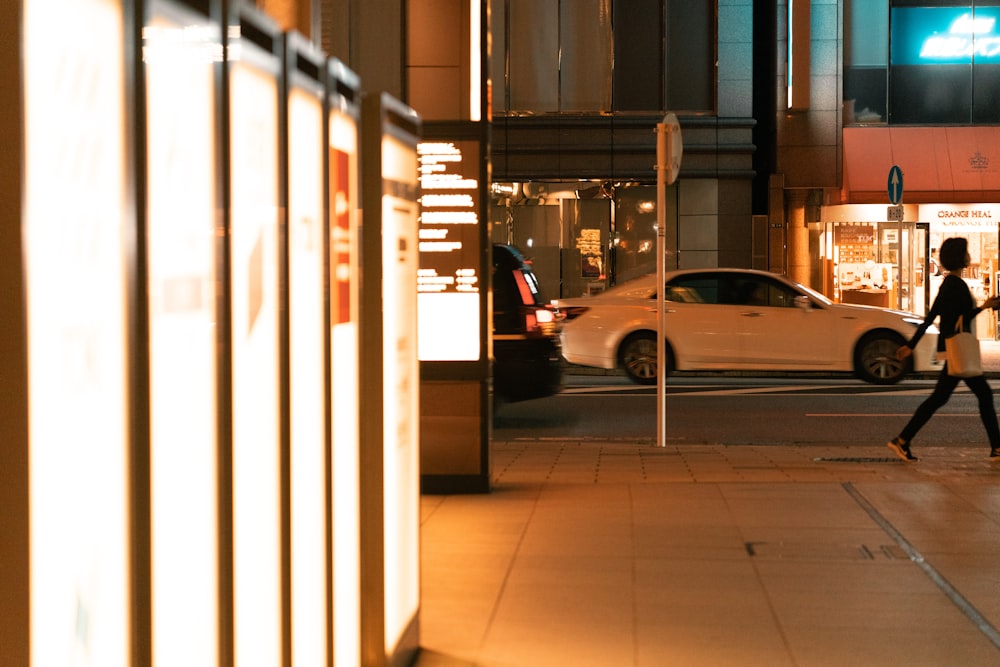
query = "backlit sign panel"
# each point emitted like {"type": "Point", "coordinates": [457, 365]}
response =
{"type": "Point", "coordinates": [342, 155]}
{"type": "Point", "coordinates": [307, 357]}
{"type": "Point", "coordinates": [180, 54]}
{"type": "Point", "coordinates": [945, 35]}
{"type": "Point", "coordinates": [448, 282]}
{"type": "Point", "coordinates": [401, 386]}
{"type": "Point", "coordinates": [255, 323]}
{"type": "Point", "coordinates": [389, 382]}
{"type": "Point", "coordinates": [74, 225]}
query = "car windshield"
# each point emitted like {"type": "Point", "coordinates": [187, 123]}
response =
{"type": "Point", "coordinates": [814, 294]}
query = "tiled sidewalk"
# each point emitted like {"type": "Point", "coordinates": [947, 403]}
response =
{"type": "Point", "coordinates": [614, 553]}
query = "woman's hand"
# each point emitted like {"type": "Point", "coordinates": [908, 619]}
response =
{"type": "Point", "coordinates": [903, 352]}
{"type": "Point", "coordinates": [993, 302]}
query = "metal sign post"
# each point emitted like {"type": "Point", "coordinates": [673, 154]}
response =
{"type": "Point", "coordinates": [668, 163]}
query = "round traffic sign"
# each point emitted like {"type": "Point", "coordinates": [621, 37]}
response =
{"type": "Point", "coordinates": [895, 185]}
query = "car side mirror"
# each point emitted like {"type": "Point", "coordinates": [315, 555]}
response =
{"type": "Point", "coordinates": [803, 302]}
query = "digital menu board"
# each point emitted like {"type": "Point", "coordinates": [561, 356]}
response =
{"type": "Point", "coordinates": [448, 281]}
{"type": "Point", "coordinates": [75, 223]}
{"type": "Point", "coordinates": [181, 52]}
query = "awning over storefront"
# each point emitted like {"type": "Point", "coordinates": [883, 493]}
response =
{"type": "Point", "coordinates": [939, 164]}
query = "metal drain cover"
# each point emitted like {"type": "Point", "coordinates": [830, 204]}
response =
{"type": "Point", "coordinates": [856, 459]}
{"type": "Point", "coordinates": [817, 551]}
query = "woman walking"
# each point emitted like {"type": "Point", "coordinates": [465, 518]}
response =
{"type": "Point", "coordinates": [953, 301]}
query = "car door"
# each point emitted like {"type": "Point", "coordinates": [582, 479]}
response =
{"type": "Point", "coordinates": [700, 327]}
{"type": "Point", "coordinates": [781, 327]}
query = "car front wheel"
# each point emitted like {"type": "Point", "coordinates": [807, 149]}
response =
{"type": "Point", "coordinates": [637, 357]}
{"type": "Point", "coordinates": [875, 359]}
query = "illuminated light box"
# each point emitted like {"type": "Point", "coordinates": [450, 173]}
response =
{"type": "Point", "coordinates": [75, 222]}
{"type": "Point", "coordinates": [945, 35]}
{"type": "Point", "coordinates": [390, 385]}
{"type": "Point", "coordinates": [342, 105]}
{"type": "Point", "coordinates": [254, 67]}
{"type": "Point", "coordinates": [306, 230]}
{"type": "Point", "coordinates": [181, 51]}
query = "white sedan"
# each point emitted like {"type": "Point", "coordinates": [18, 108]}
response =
{"type": "Point", "coordinates": [738, 319]}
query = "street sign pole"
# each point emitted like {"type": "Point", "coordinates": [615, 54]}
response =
{"type": "Point", "coordinates": [668, 164]}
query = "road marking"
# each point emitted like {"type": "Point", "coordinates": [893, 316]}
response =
{"type": "Point", "coordinates": [881, 414]}
{"type": "Point", "coordinates": [765, 390]}
{"type": "Point", "coordinates": [603, 389]}
{"type": "Point", "coordinates": [806, 390]}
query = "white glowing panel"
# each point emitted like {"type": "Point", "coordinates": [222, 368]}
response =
{"type": "Point", "coordinates": [308, 377]}
{"type": "Point", "coordinates": [256, 438]}
{"type": "Point", "coordinates": [475, 61]}
{"type": "Point", "coordinates": [448, 279]}
{"type": "Point", "coordinates": [180, 57]}
{"type": "Point", "coordinates": [344, 407]}
{"type": "Point", "coordinates": [73, 228]}
{"type": "Point", "coordinates": [401, 391]}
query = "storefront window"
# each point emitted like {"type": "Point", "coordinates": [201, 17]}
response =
{"type": "Point", "coordinates": [866, 260]}
{"type": "Point", "coordinates": [580, 237]}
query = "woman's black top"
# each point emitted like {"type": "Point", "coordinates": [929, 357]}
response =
{"type": "Point", "coordinates": [953, 300]}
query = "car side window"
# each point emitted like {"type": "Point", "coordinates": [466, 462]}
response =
{"type": "Point", "coordinates": [694, 289]}
{"type": "Point", "coordinates": [780, 296]}
{"type": "Point", "coordinates": [751, 292]}
{"type": "Point", "coordinates": [759, 291]}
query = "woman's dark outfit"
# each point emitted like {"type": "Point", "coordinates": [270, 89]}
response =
{"type": "Point", "coordinates": [953, 300]}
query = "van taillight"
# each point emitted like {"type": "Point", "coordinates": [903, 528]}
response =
{"type": "Point", "coordinates": [540, 320]}
{"type": "Point", "coordinates": [527, 296]}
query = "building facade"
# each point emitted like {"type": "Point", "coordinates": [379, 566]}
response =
{"type": "Point", "coordinates": [892, 148]}
{"type": "Point", "coordinates": [578, 88]}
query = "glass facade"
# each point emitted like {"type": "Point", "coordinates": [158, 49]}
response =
{"type": "Point", "coordinates": [920, 62]}
{"type": "Point", "coordinates": [580, 237]}
{"type": "Point", "coordinates": [601, 56]}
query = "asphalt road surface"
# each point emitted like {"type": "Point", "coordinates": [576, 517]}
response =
{"type": "Point", "coordinates": [737, 411]}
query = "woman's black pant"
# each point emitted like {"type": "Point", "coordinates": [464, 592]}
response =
{"type": "Point", "coordinates": [942, 392]}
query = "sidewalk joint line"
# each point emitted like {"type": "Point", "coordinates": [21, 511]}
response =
{"type": "Point", "coordinates": [943, 584]}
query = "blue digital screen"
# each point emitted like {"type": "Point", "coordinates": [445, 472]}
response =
{"type": "Point", "coordinates": [945, 35]}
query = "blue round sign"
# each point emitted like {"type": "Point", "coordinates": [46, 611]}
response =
{"type": "Point", "coordinates": [895, 185]}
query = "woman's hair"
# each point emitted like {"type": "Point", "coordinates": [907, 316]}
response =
{"type": "Point", "coordinates": [953, 252]}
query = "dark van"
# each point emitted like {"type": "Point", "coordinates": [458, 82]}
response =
{"type": "Point", "coordinates": [527, 359]}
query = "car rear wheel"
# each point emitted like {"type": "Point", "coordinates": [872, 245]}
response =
{"type": "Point", "coordinates": [875, 358]}
{"type": "Point", "coordinates": [637, 357]}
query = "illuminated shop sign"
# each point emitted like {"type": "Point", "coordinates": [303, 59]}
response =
{"type": "Point", "coordinates": [448, 279]}
{"type": "Point", "coordinates": [945, 35]}
{"type": "Point", "coordinates": [961, 218]}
